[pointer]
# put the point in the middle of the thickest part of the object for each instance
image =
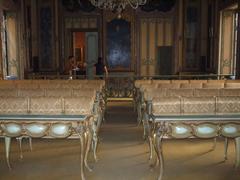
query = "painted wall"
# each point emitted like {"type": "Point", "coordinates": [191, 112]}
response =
{"type": "Point", "coordinates": [154, 32]}
{"type": "Point", "coordinates": [149, 31]}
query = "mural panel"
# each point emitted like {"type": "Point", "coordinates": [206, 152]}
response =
{"type": "Point", "coordinates": [119, 45]}
{"type": "Point", "coordinates": [46, 37]}
{"type": "Point", "coordinates": [191, 50]}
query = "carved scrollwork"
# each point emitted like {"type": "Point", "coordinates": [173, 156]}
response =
{"type": "Point", "coordinates": [120, 87]}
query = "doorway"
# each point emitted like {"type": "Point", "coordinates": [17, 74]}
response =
{"type": "Point", "coordinates": [10, 64]}
{"type": "Point", "coordinates": [228, 41]}
{"type": "Point", "coordinates": [85, 51]}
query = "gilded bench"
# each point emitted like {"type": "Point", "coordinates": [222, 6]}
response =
{"type": "Point", "coordinates": [49, 117]}
{"type": "Point", "coordinates": [188, 117]}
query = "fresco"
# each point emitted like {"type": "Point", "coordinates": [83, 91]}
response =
{"type": "Point", "coordinates": [119, 44]}
{"type": "Point", "coordinates": [46, 37]}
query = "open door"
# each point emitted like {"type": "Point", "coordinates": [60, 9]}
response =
{"type": "Point", "coordinates": [85, 51]}
{"type": "Point", "coordinates": [79, 47]}
{"type": "Point", "coordinates": [91, 53]}
{"type": "Point", "coordinates": [228, 42]}
{"type": "Point", "coordinates": [164, 60]}
{"type": "Point", "coordinates": [9, 49]}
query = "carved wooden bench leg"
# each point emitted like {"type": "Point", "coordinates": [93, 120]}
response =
{"type": "Point", "coordinates": [139, 111]}
{"type": "Point", "coordinates": [150, 143]}
{"type": "Point", "coordinates": [237, 149]}
{"type": "Point", "coordinates": [88, 138]}
{"type": "Point", "coordinates": [19, 139]}
{"type": "Point", "coordinates": [225, 149]}
{"type": "Point", "coordinates": [158, 149]}
{"type": "Point", "coordinates": [95, 144]}
{"type": "Point", "coordinates": [30, 143]}
{"type": "Point", "coordinates": [7, 149]}
{"type": "Point", "coordinates": [82, 156]}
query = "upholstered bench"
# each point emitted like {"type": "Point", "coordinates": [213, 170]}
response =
{"type": "Point", "coordinates": [188, 117]}
{"type": "Point", "coordinates": [48, 117]}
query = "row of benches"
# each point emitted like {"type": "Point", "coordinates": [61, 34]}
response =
{"type": "Point", "coordinates": [158, 92]}
{"type": "Point", "coordinates": [46, 105]}
{"type": "Point", "coordinates": [195, 105]}
{"type": "Point", "coordinates": [192, 81]}
{"type": "Point", "coordinates": [186, 109]}
{"type": "Point", "coordinates": [76, 84]}
{"type": "Point", "coordinates": [61, 81]}
{"type": "Point", "coordinates": [42, 109]}
{"type": "Point", "coordinates": [56, 92]}
{"type": "Point", "coordinates": [189, 85]}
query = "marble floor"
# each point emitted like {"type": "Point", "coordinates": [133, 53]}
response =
{"type": "Point", "coordinates": [123, 155]}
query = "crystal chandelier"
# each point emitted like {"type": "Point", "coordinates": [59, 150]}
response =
{"type": "Point", "coordinates": [117, 5]}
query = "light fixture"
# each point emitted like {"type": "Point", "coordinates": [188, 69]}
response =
{"type": "Point", "coordinates": [117, 5]}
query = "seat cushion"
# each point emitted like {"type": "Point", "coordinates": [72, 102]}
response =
{"type": "Point", "coordinates": [180, 92]}
{"type": "Point", "coordinates": [206, 92]}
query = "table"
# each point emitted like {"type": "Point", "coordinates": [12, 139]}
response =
{"type": "Point", "coordinates": [51, 126]}
{"type": "Point", "coordinates": [187, 126]}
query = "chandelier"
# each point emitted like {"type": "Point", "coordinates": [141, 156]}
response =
{"type": "Point", "coordinates": [117, 5]}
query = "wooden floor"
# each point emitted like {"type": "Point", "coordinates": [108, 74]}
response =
{"type": "Point", "coordinates": [123, 155]}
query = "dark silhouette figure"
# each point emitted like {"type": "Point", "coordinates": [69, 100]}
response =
{"type": "Point", "coordinates": [100, 68]}
{"type": "Point", "coordinates": [69, 66]}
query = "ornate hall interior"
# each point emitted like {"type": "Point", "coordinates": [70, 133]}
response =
{"type": "Point", "coordinates": [120, 89]}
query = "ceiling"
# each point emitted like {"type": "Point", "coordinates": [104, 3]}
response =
{"type": "Point", "coordinates": [151, 5]}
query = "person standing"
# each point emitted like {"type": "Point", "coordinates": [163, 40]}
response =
{"type": "Point", "coordinates": [69, 66]}
{"type": "Point", "coordinates": [101, 68]}
{"type": "Point", "coordinates": [81, 70]}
